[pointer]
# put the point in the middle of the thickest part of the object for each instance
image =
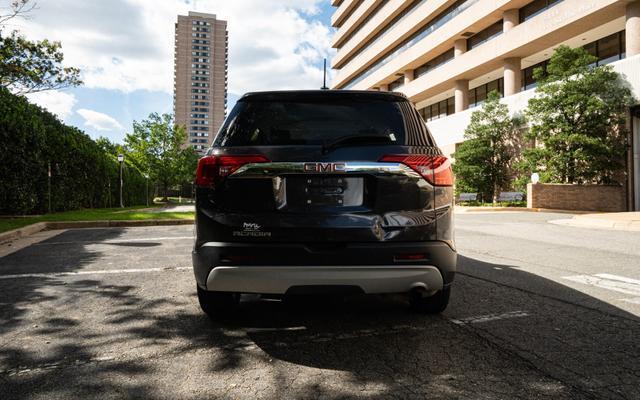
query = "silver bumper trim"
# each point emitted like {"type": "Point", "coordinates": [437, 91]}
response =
{"type": "Point", "coordinates": [278, 279]}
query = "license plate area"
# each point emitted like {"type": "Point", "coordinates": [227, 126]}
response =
{"type": "Point", "coordinates": [323, 191]}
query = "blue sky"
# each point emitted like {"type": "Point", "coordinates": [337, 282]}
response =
{"type": "Point", "coordinates": [125, 50]}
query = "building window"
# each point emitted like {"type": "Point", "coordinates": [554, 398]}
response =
{"type": "Point", "coordinates": [434, 63]}
{"type": "Point", "coordinates": [447, 15]}
{"type": "Point", "coordinates": [608, 49]}
{"type": "Point", "coordinates": [528, 82]}
{"type": "Point", "coordinates": [536, 7]}
{"type": "Point", "coordinates": [438, 110]}
{"type": "Point", "coordinates": [484, 35]}
{"type": "Point", "coordinates": [396, 84]}
{"type": "Point", "coordinates": [478, 95]}
{"type": "Point", "coordinates": [364, 22]}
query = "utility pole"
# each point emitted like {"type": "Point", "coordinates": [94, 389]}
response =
{"type": "Point", "coordinates": [121, 160]}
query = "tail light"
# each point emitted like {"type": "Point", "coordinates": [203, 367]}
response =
{"type": "Point", "coordinates": [435, 169]}
{"type": "Point", "coordinates": [212, 169]}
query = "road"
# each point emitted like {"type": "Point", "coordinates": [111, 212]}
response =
{"type": "Point", "coordinates": [538, 311]}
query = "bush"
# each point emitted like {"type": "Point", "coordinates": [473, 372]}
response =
{"type": "Point", "coordinates": [31, 139]}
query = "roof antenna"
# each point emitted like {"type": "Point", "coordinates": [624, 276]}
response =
{"type": "Point", "coordinates": [324, 79]}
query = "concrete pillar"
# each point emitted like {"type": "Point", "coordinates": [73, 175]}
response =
{"type": "Point", "coordinates": [512, 76]}
{"type": "Point", "coordinates": [459, 47]}
{"type": "Point", "coordinates": [384, 88]}
{"type": "Point", "coordinates": [510, 18]}
{"type": "Point", "coordinates": [632, 26]}
{"type": "Point", "coordinates": [461, 95]}
{"type": "Point", "coordinates": [408, 76]}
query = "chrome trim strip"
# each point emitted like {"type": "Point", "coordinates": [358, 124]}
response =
{"type": "Point", "coordinates": [371, 278]}
{"type": "Point", "coordinates": [268, 170]}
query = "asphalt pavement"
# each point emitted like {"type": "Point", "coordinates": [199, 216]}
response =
{"type": "Point", "coordinates": [537, 311]}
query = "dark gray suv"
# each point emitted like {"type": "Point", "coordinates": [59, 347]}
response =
{"type": "Point", "coordinates": [324, 192]}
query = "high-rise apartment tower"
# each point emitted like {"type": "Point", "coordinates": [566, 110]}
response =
{"type": "Point", "coordinates": [200, 77]}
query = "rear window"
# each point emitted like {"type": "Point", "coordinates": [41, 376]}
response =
{"type": "Point", "coordinates": [310, 122]}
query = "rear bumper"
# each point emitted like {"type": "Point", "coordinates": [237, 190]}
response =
{"type": "Point", "coordinates": [373, 267]}
{"type": "Point", "coordinates": [369, 279]}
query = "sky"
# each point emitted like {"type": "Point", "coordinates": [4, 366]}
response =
{"type": "Point", "coordinates": [125, 51]}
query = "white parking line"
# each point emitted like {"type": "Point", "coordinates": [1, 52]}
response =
{"type": "Point", "coordinates": [96, 272]}
{"type": "Point", "coordinates": [156, 239]}
{"type": "Point", "coordinates": [283, 329]}
{"type": "Point", "coordinates": [616, 283]}
{"type": "Point", "coordinates": [490, 317]}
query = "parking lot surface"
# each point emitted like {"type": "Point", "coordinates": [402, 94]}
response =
{"type": "Point", "coordinates": [538, 311]}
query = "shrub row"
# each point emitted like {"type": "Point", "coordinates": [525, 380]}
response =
{"type": "Point", "coordinates": [82, 175]}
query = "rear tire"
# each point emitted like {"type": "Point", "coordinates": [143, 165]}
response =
{"type": "Point", "coordinates": [216, 304]}
{"type": "Point", "coordinates": [434, 304]}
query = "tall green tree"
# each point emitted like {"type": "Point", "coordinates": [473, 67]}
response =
{"type": "Point", "coordinates": [483, 162]}
{"type": "Point", "coordinates": [577, 120]}
{"type": "Point", "coordinates": [31, 66]}
{"type": "Point", "coordinates": [157, 148]}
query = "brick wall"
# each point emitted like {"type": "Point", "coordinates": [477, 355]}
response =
{"type": "Point", "coordinates": [576, 197]}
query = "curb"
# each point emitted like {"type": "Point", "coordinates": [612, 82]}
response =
{"type": "Point", "coordinates": [22, 232]}
{"type": "Point", "coordinates": [41, 226]}
{"type": "Point", "coordinates": [517, 209]}
{"type": "Point", "coordinates": [595, 223]}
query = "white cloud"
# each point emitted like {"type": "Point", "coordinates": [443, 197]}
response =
{"type": "Point", "coordinates": [55, 101]}
{"type": "Point", "coordinates": [127, 45]}
{"type": "Point", "coordinates": [99, 121]}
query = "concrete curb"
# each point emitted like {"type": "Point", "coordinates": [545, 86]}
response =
{"type": "Point", "coordinates": [22, 232]}
{"type": "Point", "coordinates": [460, 209]}
{"type": "Point", "coordinates": [41, 226]}
{"type": "Point", "coordinates": [599, 223]}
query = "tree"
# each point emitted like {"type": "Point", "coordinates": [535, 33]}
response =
{"type": "Point", "coordinates": [156, 146]}
{"type": "Point", "coordinates": [109, 147]}
{"type": "Point", "coordinates": [17, 8]}
{"type": "Point", "coordinates": [484, 160]}
{"type": "Point", "coordinates": [34, 66]}
{"type": "Point", "coordinates": [31, 66]}
{"type": "Point", "coordinates": [577, 120]}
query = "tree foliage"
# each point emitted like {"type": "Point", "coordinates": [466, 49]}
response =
{"type": "Point", "coordinates": [34, 66]}
{"type": "Point", "coordinates": [82, 174]}
{"type": "Point", "coordinates": [31, 66]}
{"type": "Point", "coordinates": [157, 148]}
{"type": "Point", "coordinates": [16, 8]}
{"type": "Point", "coordinates": [577, 120]}
{"type": "Point", "coordinates": [484, 160]}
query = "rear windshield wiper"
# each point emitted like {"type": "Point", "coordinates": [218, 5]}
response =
{"type": "Point", "coordinates": [354, 140]}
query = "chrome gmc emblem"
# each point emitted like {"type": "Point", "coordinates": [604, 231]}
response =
{"type": "Point", "coordinates": [324, 167]}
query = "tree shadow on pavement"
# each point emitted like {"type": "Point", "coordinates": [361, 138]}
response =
{"type": "Point", "coordinates": [145, 337]}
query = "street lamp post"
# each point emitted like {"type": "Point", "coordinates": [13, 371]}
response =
{"type": "Point", "coordinates": [49, 185]}
{"type": "Point", "coordinates": [121, 160]}
{"type": "Point", "coordinates": [147, 178]}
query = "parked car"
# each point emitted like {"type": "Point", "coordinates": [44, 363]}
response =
{"type": "Point", "coordinates": [324, 192]}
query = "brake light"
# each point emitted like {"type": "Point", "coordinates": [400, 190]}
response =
{"type": "Point", "coordinates": [435, 169]}
{"type": "Point", "coordinates": [212, 169]}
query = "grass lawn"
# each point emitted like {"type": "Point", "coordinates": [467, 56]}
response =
{"type": "Point", "coordinates": [96, 214]}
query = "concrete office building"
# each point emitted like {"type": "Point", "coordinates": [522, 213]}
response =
{"type": "Point", "coordinates": [446, 55]}
{"type": "Point", "coordinates": [200, 77]}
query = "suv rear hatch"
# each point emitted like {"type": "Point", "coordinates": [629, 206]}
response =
{"type": "Point", "coordinates": [322, 167]}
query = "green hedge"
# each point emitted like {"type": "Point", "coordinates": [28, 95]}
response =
{"type": "Point", "coordinates": [81, 173]}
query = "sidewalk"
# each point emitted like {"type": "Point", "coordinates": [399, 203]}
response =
{"type": "Point", "coordinates": [175, 208]}
{"type": "Point", "coordinates": [625, 221]}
